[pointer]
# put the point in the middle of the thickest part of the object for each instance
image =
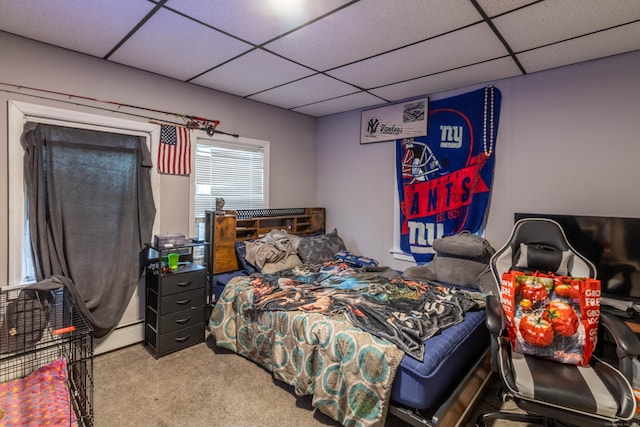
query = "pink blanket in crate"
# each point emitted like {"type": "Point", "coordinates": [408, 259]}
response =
{"type": "Point", "coordinates": [41, 398]}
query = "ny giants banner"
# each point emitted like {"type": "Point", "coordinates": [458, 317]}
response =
{"type": "Point", "coordinates": [444, 178]}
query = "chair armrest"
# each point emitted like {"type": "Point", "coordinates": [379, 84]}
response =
{"type": "Point", "coordinates": [495, 315]}
{"type": "Point", "coordinates": [627, 343]}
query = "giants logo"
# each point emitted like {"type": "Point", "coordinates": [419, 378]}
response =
{"type": "Point", "coordinates": [451, 136]}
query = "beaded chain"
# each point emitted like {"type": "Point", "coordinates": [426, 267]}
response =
{"type": "Point", "coordinates": [488, 93]}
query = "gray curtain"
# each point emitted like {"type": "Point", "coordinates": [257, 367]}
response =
{"type": "Point", "coordinates": [91, 211]}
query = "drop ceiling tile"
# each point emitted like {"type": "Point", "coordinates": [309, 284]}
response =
{"type": "Point", "coordinates": [467, 46]}
{"type": "Point", "coordinates": [91, 27]}
{"type": "Point", "coordinates": [474, 74]}
{"type": "Point", "coordinates": [306, 91]}
{"type": "Point", "coordinates": [251, 73]}
{"type": "Point", "coordinates": [167, 42]}
{"type": "Point", "coordinates": [255, 21]}
{"type": "Point", "coordinates": [555, 20]}
{"type": "Point", "coordinates": [368, 28]}
{"type": "Point", "coordinates": [414, 40]}
{"type": "Point", "coordinates": [496, 7]}
{"type": "Point", "coordinates": [615, 41]}
{"type": "Point", "coordinates": [337, 105]}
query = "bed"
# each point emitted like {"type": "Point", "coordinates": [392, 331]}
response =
{"type": "Point", "coordinates": [315, 327]}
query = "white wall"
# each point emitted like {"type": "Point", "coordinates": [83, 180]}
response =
{"type": "Point", "coordinates": [27, 63]}
{"type": "Point", "coordinates": [32, 64]}
{"type": "Point", "coordinates": [568, 142]}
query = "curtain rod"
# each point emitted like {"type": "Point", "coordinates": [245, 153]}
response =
{"type": "Point", "coordinates": [193, 122]}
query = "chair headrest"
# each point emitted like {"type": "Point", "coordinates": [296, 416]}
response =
{"type": "Point", "coordinates": [540, 244]}
{"type": "Point", "coordinates": [542, 257]}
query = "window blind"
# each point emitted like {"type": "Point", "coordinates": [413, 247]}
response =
{"type": "Point", "coordinates": [234, 172]}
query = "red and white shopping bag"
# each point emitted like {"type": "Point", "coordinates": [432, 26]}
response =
{"type": "Point", "coordinates": [555, 317]}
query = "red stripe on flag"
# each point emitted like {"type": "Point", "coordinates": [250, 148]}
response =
{"type": "Point", "coordinates": [175, 158]}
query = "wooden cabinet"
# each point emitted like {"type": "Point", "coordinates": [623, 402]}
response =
{"type": "Point", "coordinates": [223, 243]}
{"type": "Point", "coordinates": [223, 230]}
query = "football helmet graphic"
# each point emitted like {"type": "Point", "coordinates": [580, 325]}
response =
{"type": "Point", "coordinates": [419, 161]}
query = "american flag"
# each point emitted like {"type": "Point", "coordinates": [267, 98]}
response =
{"type": "Point", "coordinates": [174, 155]}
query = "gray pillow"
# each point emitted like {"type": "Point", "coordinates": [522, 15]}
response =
{"type": "Point", "coordinates": [288, 263]}
{"type": "Point", "coordinates": [321, 248]}
{"type": "Point", "coordinates": [464, 244]}
{"type": "Point", "coordinates": [461, 259]}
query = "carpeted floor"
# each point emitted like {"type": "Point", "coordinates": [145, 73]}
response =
{"type": "Point", "coordinates": [207, 386]}
{"type": "Point", "coordinates": [193, 387]}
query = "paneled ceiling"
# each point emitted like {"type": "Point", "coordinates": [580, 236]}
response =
{"type": "Point", "coordinates": [320, 57]}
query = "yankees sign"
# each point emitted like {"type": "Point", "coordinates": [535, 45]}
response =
{"type": "Point", "coordinates": [403, 120]}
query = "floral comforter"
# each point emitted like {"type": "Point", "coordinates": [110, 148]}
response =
{"type": "Point", "coordinates": [328, 331]}
{"type": "Point", "coordinates": [405, 312]}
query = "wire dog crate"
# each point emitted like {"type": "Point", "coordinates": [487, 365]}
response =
{"type": "Point", "coordinates": [46, 359]}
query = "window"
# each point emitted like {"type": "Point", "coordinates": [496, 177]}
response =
{"type": "Point", "coordinates": [235, 169]}
{"type": "Point", "coordinates": [20, 267]}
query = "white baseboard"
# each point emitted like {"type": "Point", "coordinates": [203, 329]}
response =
{"type": "Point", "coordinates": [118, 338]}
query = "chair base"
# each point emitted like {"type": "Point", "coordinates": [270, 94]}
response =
{"type": "Point", "coordinates": [553, 417]}
{"type": "Point", "coordinates": [525, 418]}
{"type": "Point", "coordinates": [544, 421]}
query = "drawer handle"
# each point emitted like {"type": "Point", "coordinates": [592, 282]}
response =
{"type": "Point", "coordinates": [183, 339]}
{"type": "Point", "coordinates": [183, 284]}
{"type": "Point", "coordinates": [183, 301]}
{"type": "Point", "coordinates": [183, 321]}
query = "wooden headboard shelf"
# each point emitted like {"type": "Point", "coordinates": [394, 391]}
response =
{"type": "Point", "coordinates": [249, 224]}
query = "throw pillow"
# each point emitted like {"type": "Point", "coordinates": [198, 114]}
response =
{"type": "Point", "coordinates": [355, 260]}
{"type": "Point", "coordinates": [241, 253]}
{"type": "Point", "coordinates": [321, 248]}
{"type": "Point", "coordinates": [288, 263]}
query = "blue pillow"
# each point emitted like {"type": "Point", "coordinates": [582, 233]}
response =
{"type": "Point", "coordinates": [241, 253]}
{"type": "Point", "coordinates": [355, 260]}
